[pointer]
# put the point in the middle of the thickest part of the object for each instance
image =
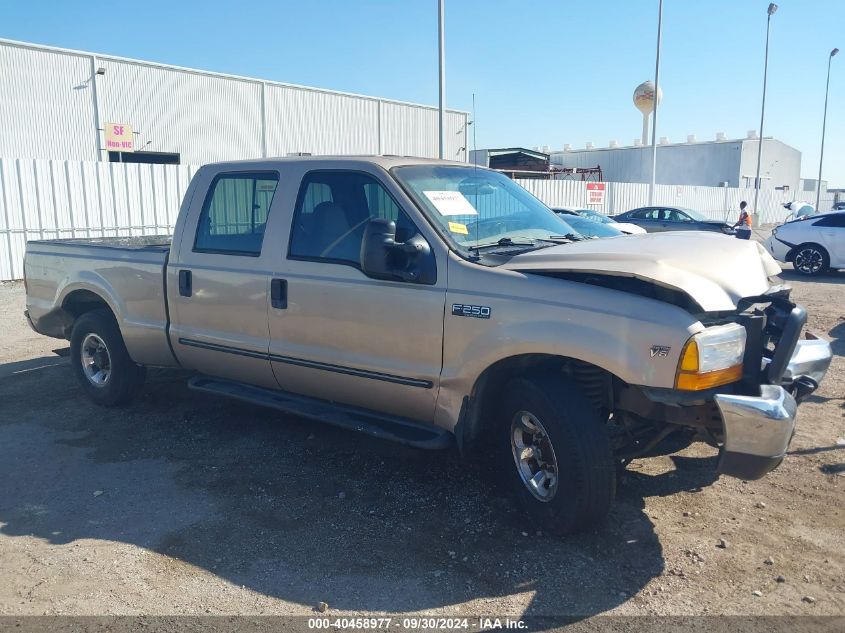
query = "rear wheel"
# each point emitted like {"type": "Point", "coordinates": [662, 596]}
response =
{"type": "Point", "coordinates": [811, 259]}
{"type": "Point", "coordinates": [556, 454]}
{"type": "Point", "coordinates": [100, 360]}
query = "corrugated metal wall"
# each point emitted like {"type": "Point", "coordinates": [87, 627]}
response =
{"type": "Point", "coordinates": [45, 199]}
{"type": "Point", "coordinates": [320, 122]}
{"type": "Point", "coordinates": [48, 97]}
{"type": "Point", "coordinates": [46, 107]}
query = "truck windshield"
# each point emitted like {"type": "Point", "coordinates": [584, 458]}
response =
{"type": "Point", "coordinates": [479, 208]}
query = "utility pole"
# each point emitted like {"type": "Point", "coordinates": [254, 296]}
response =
{"type": "Point", "coordinates": [656, 93]}
{"type": "Point", "coordinates": [770, 11]}
{"type": "Point", "coordinates": [441, 41]}
{"type": "Point", "coordinates": [824, 125]}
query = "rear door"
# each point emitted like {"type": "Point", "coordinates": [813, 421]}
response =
{"type": "Point", "coordinates": [649, 219]}
{"type": "Point", "coordinates": [831, 230]}
{"type": "Point", "coordinates": [341, 335]}
{"type": "Point", "coordinates": [219, 280]}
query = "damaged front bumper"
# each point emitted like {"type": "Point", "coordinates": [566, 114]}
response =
{"type": "Point", "coordinates": [758, 429]}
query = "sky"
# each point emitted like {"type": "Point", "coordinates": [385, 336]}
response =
{"type": "Point", "coordinates": [543, 73]}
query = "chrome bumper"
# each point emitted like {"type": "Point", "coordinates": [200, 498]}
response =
{"type": "Point", "coordinates": [758, 430]}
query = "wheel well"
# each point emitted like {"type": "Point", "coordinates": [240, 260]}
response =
{"type": "Point", "coordinates": [79, 302]}
{"type": "Point", "coordinates": [480, 406]}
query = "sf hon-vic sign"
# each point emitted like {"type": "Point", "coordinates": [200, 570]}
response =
{"type": "Point", "coordinates": [119, 137]}
{"type": "Point", "coordinates": [596, 192]}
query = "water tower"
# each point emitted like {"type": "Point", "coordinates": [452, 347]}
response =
{"type": "Point", "coordinates": [644, 102]}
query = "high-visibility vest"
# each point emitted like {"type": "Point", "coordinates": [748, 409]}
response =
{"type": "Point", "coordinates": [745, 218]}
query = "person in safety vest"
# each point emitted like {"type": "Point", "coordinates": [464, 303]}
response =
{"type": "Point", "coordinates": [743, 225]}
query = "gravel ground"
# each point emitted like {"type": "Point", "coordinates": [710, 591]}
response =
{"type": "Point", "coordinates": [186, 504]}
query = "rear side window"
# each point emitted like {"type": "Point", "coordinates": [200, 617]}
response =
{"type": "Point", "coordinates": [234, 214]}
{"type": "Point", "coordinates": [834, 220]}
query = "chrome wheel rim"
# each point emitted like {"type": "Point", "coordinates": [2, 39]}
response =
{"type": "Point", "coordinates": [96, 362]}
{"type": "Point", "coordinates": [808, 261]}
{"type": "Point", "coordinates": [534, 456]}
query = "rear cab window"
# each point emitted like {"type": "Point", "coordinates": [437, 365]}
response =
{"type": "Point", "coordinates": [234, 213]}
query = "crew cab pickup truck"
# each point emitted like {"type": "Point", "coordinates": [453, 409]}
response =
{"type": "Point", "coordinates": [435, 303]}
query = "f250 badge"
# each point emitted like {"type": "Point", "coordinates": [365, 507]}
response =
{"type": "Point", "coordinates": [661, 351]}
{"type": "Point", "coordinates": [467, 310]}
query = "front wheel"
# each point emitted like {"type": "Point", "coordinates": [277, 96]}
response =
{"type": "Point", "coordinates": [556, 454]}
{"type": "Point", "coordinates": [100, 360]}
{"type": "Point", "coordinates": [811, 259]}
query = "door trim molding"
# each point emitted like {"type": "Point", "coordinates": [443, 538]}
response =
{"type": "Point", "coordinates": [311, 364]}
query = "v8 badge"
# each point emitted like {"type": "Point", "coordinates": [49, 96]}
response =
{"type": "Point", "coordinates": [661, 351]}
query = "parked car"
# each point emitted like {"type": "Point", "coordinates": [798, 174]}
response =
{"type": "Point", "coordinates": [656, 219]}
{"type": "Point", "coordinates": [433, 303]}
{"type": "Point", "coordinates": [813, 244]}
{"type": "Point", "coordinates": [629, 229]}
{"type": "Point", "coordinates": [588, 228]}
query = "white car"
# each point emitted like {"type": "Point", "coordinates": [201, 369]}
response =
{"type": "Point", "coordinates": [812, 244]}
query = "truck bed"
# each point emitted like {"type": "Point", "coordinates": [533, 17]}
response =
{"type": "Point", "coordinates": [128, 273]}
{"type": "Point", "coordinates": [141, 242]}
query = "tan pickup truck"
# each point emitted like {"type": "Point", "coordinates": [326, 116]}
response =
{"type": "Point", "coordinates": [434, 303]}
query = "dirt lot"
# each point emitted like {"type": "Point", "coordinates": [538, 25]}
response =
{"type": "Point", "coordinates": [186, 504]}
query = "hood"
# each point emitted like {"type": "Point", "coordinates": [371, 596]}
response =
{"type": "Point", "coordinates": [714, 270]}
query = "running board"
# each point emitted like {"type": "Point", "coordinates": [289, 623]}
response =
{"type": "Point", "coordinates": [377, 425]}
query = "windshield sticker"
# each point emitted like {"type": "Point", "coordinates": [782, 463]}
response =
{"type": "Point", "coordinates": [450, 203]}
{"type": "Point", "coordinates": [457, 227]}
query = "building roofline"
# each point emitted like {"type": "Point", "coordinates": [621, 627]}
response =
{"type": "Point", "coordinates": [211, 73]}
{"type": "Point", "coordinates": [726, 141]}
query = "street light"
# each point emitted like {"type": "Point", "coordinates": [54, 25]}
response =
{"type": "Point", "coordinates": [771, 10]}
{"type": "Point", "coordinates": [824, 124]}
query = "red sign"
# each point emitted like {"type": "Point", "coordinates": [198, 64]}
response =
{"type": "Point", "coordinates": [596, 193]}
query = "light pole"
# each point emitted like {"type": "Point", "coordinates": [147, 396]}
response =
{"type": "Point", "coordinates": [771, 10]}
{"type": "Point", "coordinates": [656, 99]}
{"type": "Point", "coordinates": [824, 124]}
{"type": "Point", "coordinates": [441, 46]}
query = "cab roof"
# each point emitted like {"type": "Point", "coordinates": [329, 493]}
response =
{"type": "Point", "coordinates": [339, 162]}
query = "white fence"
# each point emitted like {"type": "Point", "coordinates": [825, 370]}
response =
{"type": "Point", "coordinates": [48, 199]}
{"type": "Point", "coordinates": [717, 203]}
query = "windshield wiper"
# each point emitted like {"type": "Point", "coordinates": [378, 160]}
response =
{"type": "Point", "coordinates": [505, 241]}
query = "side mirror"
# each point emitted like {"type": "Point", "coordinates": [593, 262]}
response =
{"type": "Point", "coordinates": [382, 257]}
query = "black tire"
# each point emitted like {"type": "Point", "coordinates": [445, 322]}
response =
{"type": "Point", "coordinates": [586, 474]}
{"type": "Point", "coordinates": [121, 378]}
{"type": "Point", "coordinates": [811, 259]}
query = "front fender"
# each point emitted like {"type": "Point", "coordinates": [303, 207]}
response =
{"type": "Point", "coordinates": [637, 339]}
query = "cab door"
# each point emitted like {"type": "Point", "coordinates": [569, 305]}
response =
{"type": "Point", "coordinates": [831, 229]}
{"type": "Point", "coordinates": [218, 277]}
{"type": "Point", "coordinates": [340, 335]}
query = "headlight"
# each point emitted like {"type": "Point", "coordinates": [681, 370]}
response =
{"type": "Point", "coordinates": [712, 358]}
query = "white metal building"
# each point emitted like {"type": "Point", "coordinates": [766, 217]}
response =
{"type": "Point", "coordinates": [701, 163]}
{"type": "Point", "coordinates": [54, 104]}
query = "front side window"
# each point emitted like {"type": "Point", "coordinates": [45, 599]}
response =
{"type": "Point", "coordinates": [481, 208]}
{"type": "Point", "coordinates": [332, 210]}
{"type": "Point", "coordinates": [235, 213]}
